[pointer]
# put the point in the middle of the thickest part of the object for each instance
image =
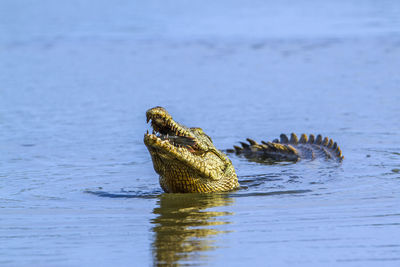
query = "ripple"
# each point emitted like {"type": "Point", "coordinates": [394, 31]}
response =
{"type": "Point", "coordinates": [126, 194]}
{"type": "Point", "coordinates": [272, 193]}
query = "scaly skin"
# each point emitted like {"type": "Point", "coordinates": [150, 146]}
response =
{"type": "Point", "coordinates": [188, 162]}
{"type": "Point", "coordinates": [185, 158]}
{"type": "Point", "coordinates": [290, 150]}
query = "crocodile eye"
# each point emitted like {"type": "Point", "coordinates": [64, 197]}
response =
{"type": "Point", "coordinates": [200, 132]}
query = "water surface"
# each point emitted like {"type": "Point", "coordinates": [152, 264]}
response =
{"type": "Point", "coordinates": [77, 186]}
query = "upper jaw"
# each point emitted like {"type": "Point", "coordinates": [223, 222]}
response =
{"type": "Point", "coordinates": [166, 130]}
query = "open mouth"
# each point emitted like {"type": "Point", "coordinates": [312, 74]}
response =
{"type": "Point", "coordinates": [172, 144]}
{"type": "Point", "coordinates": [166, 132]}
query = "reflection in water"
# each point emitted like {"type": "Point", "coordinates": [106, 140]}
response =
{"type": "Point", "coordinates": [184, 227]}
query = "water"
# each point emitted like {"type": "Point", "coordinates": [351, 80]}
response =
{"type": "Point", "coordinates": [77, 187]}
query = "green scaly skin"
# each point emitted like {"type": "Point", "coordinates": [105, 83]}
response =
{"type": "Point", "coordinates": [188, 162]}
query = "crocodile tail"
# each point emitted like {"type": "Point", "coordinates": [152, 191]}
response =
{"type": "Point", "coordinates": [291, 149]}
{"type": "Point", "coordinates": [311, 145]}
{"type": "Point", "coordinates": [266, 150]}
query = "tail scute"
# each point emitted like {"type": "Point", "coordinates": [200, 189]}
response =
{"type": "Point", "coordinates": [334, 147]}
{"type": "Point", "coordinates": [339, 153]}
{"type": "Point", "coordinates": [318, 141]}
{"type": "Point", "coordinates": [284, 139]}
{"type": "Point", "coordinates": [244, 145]}
{"type": "Point", "coordinates": [237, 149]}
{"type": "Point", "coordinates": [303, 139]}
{"type": "Point", "coordinates": [293, 139]}
{"type": "Point", "coordinates": [252, 142]}
{"type": "Point", "coordinates": [330, 144]}
{"type": "Point", "coordinates": [311, 139]}
{"type": "Point", "coordinates": [325, 141]}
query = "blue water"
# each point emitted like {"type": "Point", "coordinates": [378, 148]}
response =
{"type": "Point", "coordinates": [77, 186]}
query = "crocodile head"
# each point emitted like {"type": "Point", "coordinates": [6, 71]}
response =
{"type": "Point", "coordinates": [186, 158]}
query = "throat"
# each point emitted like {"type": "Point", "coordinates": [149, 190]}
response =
{"type": "Point", "coordinates": [181, 180]}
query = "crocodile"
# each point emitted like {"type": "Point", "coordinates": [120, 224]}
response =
{"type": "Point", "coordinates": [188, 162]}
